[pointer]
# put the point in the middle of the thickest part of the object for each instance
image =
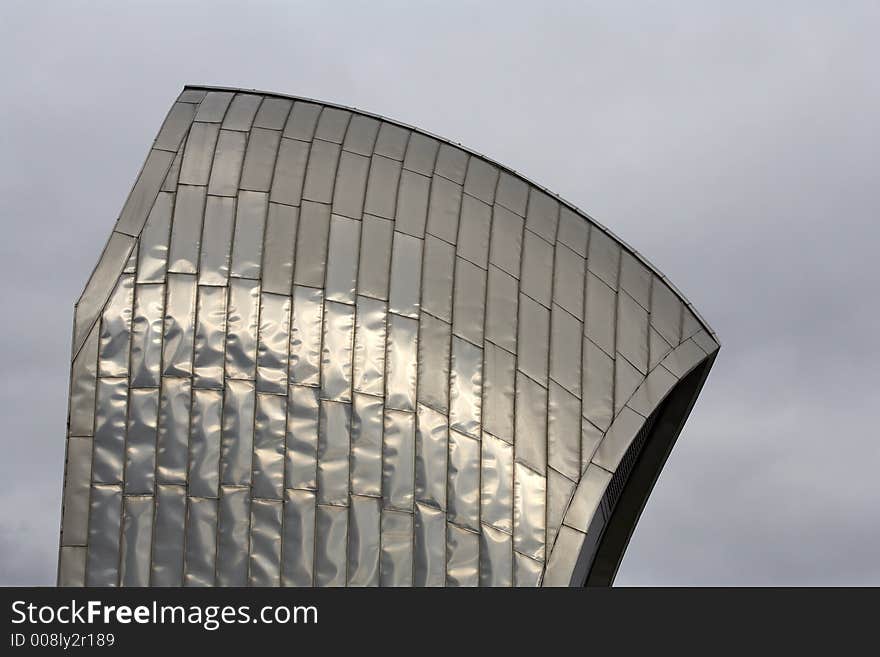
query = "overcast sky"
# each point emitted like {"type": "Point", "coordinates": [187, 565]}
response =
{"type": "Point", "coordinates": [733, 143]}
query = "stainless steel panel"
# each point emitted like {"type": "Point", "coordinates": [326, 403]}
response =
{"type": "Point", "coordinates": [626, 379]}
{"type": "Point", "coordinates": [194, 96]}
{"type": "Point", "coordinates": [342, 259]}
{"type": "Point", "coordinates": [512, 193]}
{"type": "Point", "coordinates": [533, 339]}
{"type": "Point", "coordinates": [469, 303]}
{"type": "Point", "coordinates": [531, 422]}
{"type": "Point", "coordinates": [242, 322]}
{"type": "Point", "coordinates": [632, 331]}
{"type": "Point", "coordinates": [334, 442]}
{"type": "Point", "coordinates": [332, 124]}
{"type": "Point", "coordinates": [421, 152]}
{"type": "Point", "coordinates": [264, 567]}
{"type": "Point", "coordinates": [213, 108]}
{"type": "Point", "coordinates": [412, 204]}
{"type": "Point", "coordinates": [505, 245]}
{"type": "Point", "coordinates": [429, 546]}
{"type": "Point", "coordinates": [298, 547]}
{"type": "Point", "coordinates": [331, 530]}
{"type": "Point", "coordinates": [381, 198]}
{"type": "Point", "coordinates": [568, 281]}
{"type": "Point", "coordinates": [143, 194]}
{"type": "Point", "coordinates": [401, 363]}
{"type": "Point", "coordinates": [542, 216]}
{"type": "Point", "coordinates": [526, 571]}
{"type": "Point", "coordinates": [233, 529]}
{"type": "Point", "coordinates": [618, 438]}
{"type": "Point", "coordinates": [565, 350]}
{"type": "Point", "coordinates": [311, 244]}
{"type": "Point", "coordinates": [302, 121]}
{"type": "Point", "coordinates": [433, 374]}
{"type": "Point", "coordinates": [598, 386]}
{"type": "Point", "coordinates": [601, 317]}
{"type": "Point", "coordinates": [216, 240]}
{"type": "Point", "coordinates": [398, 460]}
{"type": "Point", "coordinates": [226, 169]}
{"type": "Point", "coordinates": [195, 168]}
{"type": "Point", "coordinates": [635, 279]}
{"type": "Point", "coordinates": [179, 329]}
{"type": "Point", "coordinates": [273, 113]}
{"type": "Point", "coordinates": [153, 242]}
{"type": "Point", "coordinates": [392, 141]}
{"type": "Point", "coordinates": [321, 172]}
{"type": "Point", "coordinates": [501, 309]}
{"type": "Point", "coordinates": [499, 371]}
{"type": "Point", "coordinates": [559, 492]}
{"type": "Point", "coordinates": [140, 443]}
{"type": "Point", "coordinates": [396, 563]}
{"type": "Point", "coordinates": [431, 452]}
{"type": "Point", "coordinates": [443, 209]}
{"type": "Point", "coordinates": [301, 469]}
{"type": "Point", "coordinates": [466, 387]}
{"type": "Point", "coordinates": [250, 221]}
{"type": "Point", "coordinates": [463, 557]}
{"type": "Point", "coordinates": [586, 498]}
{"type": "Point", "coordinates": [473, 231]}
{"type": "Point", "coordinates": [481, 180]}
{"type": "Point", "coordinates": [451, 163]}
{"type": "Point", "coordinates": [272, 352]}
{"type": "Point", "coordinates": [290, 171]}
{"type": "Point", "coordinates": [652, 391]}
{"type": "Point", "coordinates": [168, 536]}
{"type": "Point", "coordinates": [100, 284]}
{"type": "Point", "coordinates": [363, 541]}
{"type": "Point", "coordinates": [563, 559]}
{"type": "Point", "coordinates": [137, 534]}
{"type": "Point", "coordinates": [573, 231]}
{"type": "Point", "coordinates": [111, 408]}
{"type": "Point", "coordinates": [278, 249]}
{"type": "Point", "coordinates": [236, 446]}
{"type": "Point", "coordinates": [689, 324]}
{"type": "Point", "coordinates": [361, 135]}
{"type": "Point", "coordinates": [186, 229]}
{"type": "Point", "coordinates": [78, 474]}
{"type": "Point", "coordinates": [146, 334]}
{"type": "Point", "coordinates": [603, 258]}
{"type": "Point", "coordinates": [306, 324]}
{"type": "Point", "coordinates": [105, 517]}
{"type": "Point", "coordinates": [204, 444]}
{"type": "Point", "coordinates": [337, 351]}
{"type": "Point", "coordinates": [170, 182]}
{"type": "Point", "coordinates": [83, 375]}
{"type": "Point", "coordinates": [705, 342]}
{"type": "Point", "coordinates": [175, 127]}
{"type": "Point", "coordinates": [173, 432]}
{"type": "Point", "coordinates": [368, 360]}
{"type": "Point", "coordinates": [496, 557]}
{"type": "Point", "coordinates": [658, 348]}
{"type": "Point", "coordinates": [437, 275]}
{"type": "Point", "coordinates": [537, 268]}
{"type": "Point", "coordinates": [529, 511]}
{"type": "Point", "coordinates": [464, 481]}
{"type": "Point", "coordinates": [201, 542]}
{"type": "Point", "coordinates": [210, 337]}
{"type": "Point", "coordinates": [270, 428]}
{"type": "Point", "coordinates": [564, 431]}
{"type": "Point", "coordinates": [351, 183]}
{"type": "Point", "coordinates": [72, 566]}
{"type": "Point", "coordinates": [116, 329]}
{"type": "Point", "coordinates": [591, 436]}
{"type": "Point", "coordinates": [376, 237]}
{"type": "Point", "coordinates": [683, 358]}
{"type": "Point", "coordinates": [366, 445]}
{"type": "Point", "coordinates": [259, 160]}
{"type": "Point", "coordinates": [240, 114]}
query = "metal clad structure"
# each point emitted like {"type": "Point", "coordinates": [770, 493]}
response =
{"type": "Point", "coordinates": [323, 348]}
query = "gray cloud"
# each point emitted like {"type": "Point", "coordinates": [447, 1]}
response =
{"type": "Point", "coordinates": [732, 143]}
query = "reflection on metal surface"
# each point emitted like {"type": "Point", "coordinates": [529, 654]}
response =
{"type": "Point", "coordinates": [323, 348]}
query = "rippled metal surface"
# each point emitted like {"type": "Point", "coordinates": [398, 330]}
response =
{"type": "Point", "coordinates": [324, 349]}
